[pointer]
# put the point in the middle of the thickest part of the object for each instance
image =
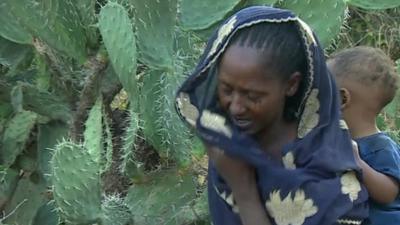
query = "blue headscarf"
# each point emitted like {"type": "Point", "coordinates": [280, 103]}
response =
{"type": "Point", "coordinates": [318, 180]}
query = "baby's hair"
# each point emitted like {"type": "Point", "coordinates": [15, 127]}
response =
{"type": "Point", "coordinates": [283, 50]}
{"type": "Point", "coordinates": [369, 66]}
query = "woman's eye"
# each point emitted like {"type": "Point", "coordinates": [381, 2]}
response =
{"type": "Point", "coordinates": [253, 97]}
{"type": "Point", "coordinates": [226, 90]}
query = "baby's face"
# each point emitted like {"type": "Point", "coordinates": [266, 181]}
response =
{"type": "Point", "coordinates": [252, 96]}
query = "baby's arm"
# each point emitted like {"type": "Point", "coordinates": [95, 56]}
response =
{"type": "Point", "coordinates": [381, 188]}
{"type": "Point", "coordinates": [241, 179]}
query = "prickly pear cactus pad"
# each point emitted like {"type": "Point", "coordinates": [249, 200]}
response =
{"type": "Point", "coordinates": [201, 14]}
{"type": "Point", "coordinates": [155, 22]}
{"type": "Point", "coordinates": [76, 184]}
{"type": "Point", "coordinates": [116, 211]}
{"type": "Point", "coordinates": [28, 197]}
{"type": "Point", "coordinates": [119, 39]}
{"type": "Point", "coordinates": [49, 135]}
{"type": "Point", "coordinates": [16, 135]}
{"type": "Point", "coordinates": [161, 199]}
{"type": "Point", "coordinates": [261, 2]}
{"type": "Point", "coordinates": [373, 4]}
{"type": "Point", "coordinates": [94, 131]}
{"type": "Point", "coordinates": [55, 22]}
{"type": "Point", "coordinates": [10, 28]}
{"type": "Point", "coordinates": [324, 16]}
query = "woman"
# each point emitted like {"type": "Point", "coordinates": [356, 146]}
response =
{"type": "Point", "coordinates": [264, 104]}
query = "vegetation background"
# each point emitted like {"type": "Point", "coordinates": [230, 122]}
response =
{"type": "Point", "coordinates": [88, 129]}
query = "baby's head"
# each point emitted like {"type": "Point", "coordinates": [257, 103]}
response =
{"type": "Point", "coordinates": [366, 77]}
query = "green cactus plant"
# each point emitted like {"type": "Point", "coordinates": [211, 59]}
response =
{"type": "Point", "coordinates": [129, 163]}
{"type": "Point", "coordinates": [28, 197]}
{"type": "Point", "coordinates": [55, 22]}
{"type": "Point", "coordinates": [76, 183]}
{"type": "Point", "coordinates": [11, 29]}
{"type": "Point", "coordinates": [118, 36]}
{"type": "Point", "coordinates": [49, 135]}
{"type": "Point", "coordinates": [93, 134]}
{"type": "Point", "coordinates": [325, 23]}
{"type": "Point", "coordinates": [369, 4]}
{"type": "Point", "coordinates": [16, 135]}
{"type": "Point", "coordinates": [116, 211]}
{"type": "Point", "coordinates": [200, 14]}
{"type": "Point", "coordinates": [155, 22]}
{"type": "Point", "coordinates": [160, 200]}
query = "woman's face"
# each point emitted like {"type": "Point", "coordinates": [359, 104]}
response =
{"type": "Point", "coordinates": [252, 95]}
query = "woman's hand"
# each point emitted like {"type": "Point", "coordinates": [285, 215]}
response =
{"type": "Point", "coordinates": [241, 178]}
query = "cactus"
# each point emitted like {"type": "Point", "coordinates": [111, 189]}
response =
{"type": "Point", "coordinates": [86, 10]}
{"type": "Point", "coordinates": [14, 56]}
{"type": "Point", "coordinates": [76, 183]}
{"type": "Point", "coordinates": [45, 103]}
{"type": "Point", "coordinates": [326, 21]}
{"type": "Point", "coordinates": [176, 137]}
{"type": "Point", "coordinates": [119, 39]}
{"type": "Point", "coordinates": [93, 134]}
{"type": "Point", "coordinates": [155, 21]}
{"type": "Point", "coordinates": [129, 164]}
{"type": "Point", "coordinates": [200, 14]}
{"type": "Point", "coordinates": [261, 2]}
{"type": "Point", "coordinates": [10, 28]}
{"type": "Point", "coordinates": [49, 135]}
{"type": "Point", "coordinates": [16, 135]}
{"type": "Point", "coordinates": [116, 211]}
{"type": "Point", "coordinates": [55, 22]}
{"type": "Point", "coordinates": [369, 4]}
{"type": "Point", "coordinates": [106, 163]}
{"type": "Point", "coordinates": [160, 200]}
{"type": "Point", "coordinates": [28, 197]}
{"type": "Point", "coordinates": [46, 215]}
{"type": "Point", "coordinates": [8, 182]}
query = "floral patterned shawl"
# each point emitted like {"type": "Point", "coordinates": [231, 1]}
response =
{"type": "Point", "coordinates": [318, 183]}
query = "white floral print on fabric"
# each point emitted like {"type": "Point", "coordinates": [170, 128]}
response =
{"type": "Point", "coordinates": [350, 185]}
{"type": "Point", "coordinates": [310, 118]}
{"type": "Point", "coordinates": [222, 32]}
{"type": "Point", "coordinates": [215, 122]}
{"type": "Point", "coordinates": [288, 161]}
{"type": "Point", "coordinates": [228, 199]}
{"type": "Point", "coordinates": [187, 109]}
{"type": "Point", "coordinates": [348, 221]}
{"type": "Point", "coordinates": [290, 211]}
{"type": "Point", "coordinates": [343, 125]}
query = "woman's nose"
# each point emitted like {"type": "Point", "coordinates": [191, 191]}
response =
{"type": "Point", "coordinates": [236, 107]}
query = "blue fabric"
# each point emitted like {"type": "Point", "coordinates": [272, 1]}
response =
{"type": "Point", "coordinates": [322, 157]}
{"type": "Point", "coordinates": [382, 154]}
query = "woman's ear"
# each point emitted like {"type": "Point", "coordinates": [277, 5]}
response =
{"type": "Point", "coordinates": [293, 84]}
{"type": "Point", "coordinates": [345, 97]}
